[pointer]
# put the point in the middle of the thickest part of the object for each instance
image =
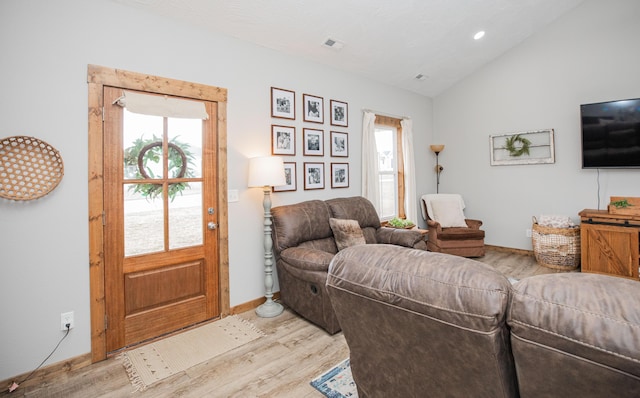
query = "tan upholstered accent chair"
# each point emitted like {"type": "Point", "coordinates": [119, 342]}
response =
{"type": "Point", "coordinates": [449, 231]}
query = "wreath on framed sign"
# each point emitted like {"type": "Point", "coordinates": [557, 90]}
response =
{"type": "Point", "coordinates": [517, 145]}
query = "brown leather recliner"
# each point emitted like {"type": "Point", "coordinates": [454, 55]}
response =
{"type": "Point", "coordinates": [304, 246]}
{"type": "Point", "coordinates": [422, 324]}
{"type": "Point", "coordinates": [453, 233]}
{"type": "Point", "coordinates": [576, 335]}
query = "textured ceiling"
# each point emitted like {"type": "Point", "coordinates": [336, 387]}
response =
{"type": "Point", "coordinates": [384, 40]}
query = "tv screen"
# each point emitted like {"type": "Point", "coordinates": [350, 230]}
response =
{"type": "Point", "coordinates": [611, 134]}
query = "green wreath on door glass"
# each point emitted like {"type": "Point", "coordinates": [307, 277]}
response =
{"type": "Point", "coordinates": [144, 152]}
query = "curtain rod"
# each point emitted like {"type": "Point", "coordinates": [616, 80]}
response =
{"type": "Point", "coordinates": [385, 114]}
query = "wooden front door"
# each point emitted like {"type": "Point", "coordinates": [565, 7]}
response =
{"type": "Point", "coordinates": [160, 219]}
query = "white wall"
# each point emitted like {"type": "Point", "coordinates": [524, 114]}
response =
{"type": "Point", "coordinates": [46, 47]}
{"type": "Point", "coordinates": [589, 55]}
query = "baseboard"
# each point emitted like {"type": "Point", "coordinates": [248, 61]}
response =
{"type": "Point", "coordinates": [55, 370]}
{"type": "Point", "coordinates": [509, 250]}
{"type": "Point", "coordinates": [250, 305]}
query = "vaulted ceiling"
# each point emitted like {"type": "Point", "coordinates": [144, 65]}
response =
{"type": "Point", "coordinates": [387, 41]}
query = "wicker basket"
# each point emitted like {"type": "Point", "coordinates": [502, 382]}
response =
{"type": "Point", "coordinates": [556, 248]}
{"type": "Point", "coordinates": [29, 168]}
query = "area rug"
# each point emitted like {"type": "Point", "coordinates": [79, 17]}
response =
{"type": "Point", "coordinates": [153, 362]}
{"type": "Point", "coordinates": [337, 382]}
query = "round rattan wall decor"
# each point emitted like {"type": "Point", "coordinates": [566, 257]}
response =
{"type": "Point", "coordinates": [29, 168]}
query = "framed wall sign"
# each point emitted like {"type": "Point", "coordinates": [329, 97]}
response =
{"type": "Point", "coordinates": [339, 113]}
{"type": "Point", "coordinates": [313, 142]}
{"type": "Point", "coordinates": [531, 147]}
{"type": "Point", "coordinates": [289, 176]}
{"type": "Point", "coordinates": [313, 108]}
{"type": "Point", "coordinates": [313, 175]}
{"type": "Point", "coordinates": [339, 175]}
{"type": "Point", "coordinates": [339, 144]}
{"type": "Point", "coordinates": [283, 103]}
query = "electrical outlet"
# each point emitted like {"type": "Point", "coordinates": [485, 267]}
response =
{"type": "Point", "coordinates": [66, 318]}
{"type": "Point", "coordinates": [528, 232]}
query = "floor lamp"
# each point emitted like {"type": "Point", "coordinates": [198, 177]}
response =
{"type": "Point", "coordinates": [437, 149]}
{"type": "Point", "coordinates": [267, 172]}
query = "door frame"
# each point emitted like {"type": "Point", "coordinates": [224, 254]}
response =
{"type": "Point", "coordinates": [97, 78]}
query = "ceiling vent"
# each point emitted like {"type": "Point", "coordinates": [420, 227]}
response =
{"type": "Point", "coordinates": [333, 44]}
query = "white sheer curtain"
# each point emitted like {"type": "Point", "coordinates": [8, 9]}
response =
{"type": "Point", "coordinates": [410, 205]}
{"type": "Point", "coordinates": [370, 177]}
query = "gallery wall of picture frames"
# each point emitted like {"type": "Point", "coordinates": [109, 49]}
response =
{"type": "Point", "coordinates": [284, 139]}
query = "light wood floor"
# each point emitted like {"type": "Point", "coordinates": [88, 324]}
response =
{"type": "Point", "coordinates": [280, 364]}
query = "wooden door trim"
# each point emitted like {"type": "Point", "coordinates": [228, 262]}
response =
{"type": "Point", "coordinates": [97, 78]}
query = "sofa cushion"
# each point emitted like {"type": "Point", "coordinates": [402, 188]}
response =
{"type": "Point", "coordinates": [359, 209]}
{"type": "Point", "coordinates": [301, 222]}
{"type": "Point", "coordinates": [582, 324]}
{"type": "Point", "coordinates": [346, 233]}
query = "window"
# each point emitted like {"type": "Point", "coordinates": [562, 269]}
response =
{"type": "Point", "coordinates": [390, 167]}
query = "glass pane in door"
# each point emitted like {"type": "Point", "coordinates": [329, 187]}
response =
{"type": "Point", "coordinates": [185, 218]}
{"type": "Point", "coordinates": [143, 222]}
{"type": "Point", "coordinates": [142, 144]}
{"type": "Point", "coordinates": [185, 138]}
{"type": "Point", "coordinates": [185, 198]}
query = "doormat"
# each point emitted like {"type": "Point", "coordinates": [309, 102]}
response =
{"type": "Point", "coordinates": [153, 362]}
{"type": "Point", "coordinates": [337, 382]}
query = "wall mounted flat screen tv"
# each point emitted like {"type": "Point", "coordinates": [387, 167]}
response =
{"type": "Point", "coordinates": [611, 134]}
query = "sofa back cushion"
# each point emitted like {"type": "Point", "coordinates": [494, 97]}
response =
{"type": "Point", "coordinates": [576, 334]}
{"type": "Point", "coordinates": [359, 209]}
{"type": "Point", "coordinates": [422, 324]}
{"type": "Point", "coordinates": [304, 224]}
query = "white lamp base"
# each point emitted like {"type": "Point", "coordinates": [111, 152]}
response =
{"type": "Point", "coordinates": [269, 309]}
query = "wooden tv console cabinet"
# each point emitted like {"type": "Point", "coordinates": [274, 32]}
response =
{"type": "Point", "coordinates": [609, 243]}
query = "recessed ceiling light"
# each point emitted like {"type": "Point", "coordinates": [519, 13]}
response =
{"type": "Point", "coordinates": [479, 35]}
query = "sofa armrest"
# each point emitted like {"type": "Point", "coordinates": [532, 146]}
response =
{"type": "Point", "coordinates": [434, 228]}
{"type": "Point", "coordinates": [307, 259]}
{"type": "Point", "coordinates": [475, 224]}
{"type": "Point", "coordinates": [400, 237]}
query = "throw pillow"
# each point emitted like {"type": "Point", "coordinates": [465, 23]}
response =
{"type": "Point", "coordinates": [448, 213]}
{"type": "Point", "coordinates": [346, 233]}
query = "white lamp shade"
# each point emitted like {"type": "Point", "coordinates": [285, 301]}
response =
{"type": "Point", "coordinates": [266, 171]}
